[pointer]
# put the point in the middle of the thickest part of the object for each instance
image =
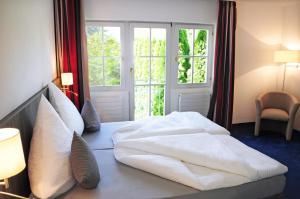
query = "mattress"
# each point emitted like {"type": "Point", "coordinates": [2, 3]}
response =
{"type": "Point", "coordinates": [124, 182]}
{"type": "Point", "coordinates": [121, 181]}
{"type": "Point", "coordinates": [101, 139]}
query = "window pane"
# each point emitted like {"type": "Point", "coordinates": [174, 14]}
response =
{"type": "Point", "coordinates": [185, 45]}
{"type": "Point", "coordinates": [158, 69]}
{"type": "Point", "coordinates": [95, 71]}
{"type": "Point", "coordinates": [141, 70]}
{"type": "Point", "coordinates": [141, 102]}
{"type": "Point", "coordinates": [112, 41]}
{"type": "Point", "coordinates": [104, 52]}
{"type": "Point", "coordinates": [158, 42]}
{"type": "Point", "coordinates": [112, 71]}
{"type": "Point", "coordinates": [158, 100]}
{"type": "Point", "coordinates": [200, 68]}
{"type": "Point", "coordinates": [141, 41]}
{"type": "Point", "coordinates": [185, 70]}
{"type": "Point", "coordinates": [200, 44]}
{"type": "Point", "coordinates": [94, 40]}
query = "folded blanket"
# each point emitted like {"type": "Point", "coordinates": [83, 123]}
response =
{"type": "Point", "coordinates": [192, 150]}
{"type": "Point", "coordinates": [172, 124]}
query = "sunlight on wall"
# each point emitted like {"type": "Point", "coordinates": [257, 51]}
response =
{"type": "Point", "coordinates": [291, 28]}
{"type": "Point", "coordinates": [264, 26]}
{"type": "Point", "coordinates": [248, 86]}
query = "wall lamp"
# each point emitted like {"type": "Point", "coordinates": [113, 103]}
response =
{"type": "Point", "coordinates": [66, 81]}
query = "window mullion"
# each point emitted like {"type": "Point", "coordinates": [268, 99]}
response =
{"type": "Point", "coordinates": [103, 67]}
{"type": "Point", "coordinates": [150, 76]}
{"type": "Point", "coordinates": [193, 45]}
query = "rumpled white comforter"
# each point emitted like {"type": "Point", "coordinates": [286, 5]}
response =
{"type": "Point", "coordinates": [192, 150]}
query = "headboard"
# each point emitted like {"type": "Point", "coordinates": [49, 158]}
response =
{"type": "Point", "coordinates": [23, 118]}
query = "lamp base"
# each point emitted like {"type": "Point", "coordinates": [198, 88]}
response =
{"type": "Point", "coordinates": [5, 183]}
{"type": "Point", "coordinates": [12, 195]}
{"type": "Point", "coordinates": [66, 90]}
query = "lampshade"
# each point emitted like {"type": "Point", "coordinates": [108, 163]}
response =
{"type": "Point", "coordinates": [66, 79]}
{"type": "Point", "coordinates": [12, 159]}
{"type": "Point", "coordinates": [287, 56]}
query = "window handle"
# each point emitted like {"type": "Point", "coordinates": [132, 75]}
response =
{"type": "Point", "coordinates": [131, 69]}
{"type": "Point", "coordinates": [176, 58]}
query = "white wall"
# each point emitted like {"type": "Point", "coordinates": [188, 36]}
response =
{"type": "Point", "coordinates": [262, 28]}
{"type": "Point", "coordinates": [27, 55]}
{"type": "Point", "coordinates": [191, 11]}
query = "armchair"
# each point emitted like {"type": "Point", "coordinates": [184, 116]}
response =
{"type": "Point", "coordinates": [280, 106]}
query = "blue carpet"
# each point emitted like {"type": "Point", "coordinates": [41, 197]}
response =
{"type": "Point", "coordinates": [274, 145]}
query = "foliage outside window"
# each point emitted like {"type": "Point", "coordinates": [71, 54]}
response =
{"type": "Point", "coordinates": [192, 56]}
{"type": "Point", "coordinates": [149, 67]}
{"type": "Point", "coordinates": [104, 55]}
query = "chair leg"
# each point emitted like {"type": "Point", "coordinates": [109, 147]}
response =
{"type": "Point", "coordinates": [257, 126]}
{"type": "Point", "coordinates": [289, 130]}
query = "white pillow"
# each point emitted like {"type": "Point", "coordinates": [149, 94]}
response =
{"type": "Point", "coordinates": [66, 109]}
{"type": "Point", "coordinates": [49, 167]}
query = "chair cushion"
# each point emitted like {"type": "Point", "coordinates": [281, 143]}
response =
{"type": "Point", "coordinates": [275, 114]}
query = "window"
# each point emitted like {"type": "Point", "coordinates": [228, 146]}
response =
{"type": "Point", "coordinates": [192, 54]}
{"type": "Point", "coordinates": [104, 54]}
{"type": "Point", "coordinates": [149, 46]}
{"type": "Point", "coordinates": [147, 64]}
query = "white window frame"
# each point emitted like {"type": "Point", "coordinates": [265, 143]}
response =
{"type": "Point", "coordinates": [174, 55]}
{"type": "Point", "coordinates": [167, 26]}
{"type": "Point", "coordinates": [127, 59]}
{"type": "Point", "coordinates": [122, 85]}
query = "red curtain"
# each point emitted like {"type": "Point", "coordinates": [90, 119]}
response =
{"type": "Point", "coordinates": [221, 104]}
{"type": "Point", "coordinates": [70, 48]}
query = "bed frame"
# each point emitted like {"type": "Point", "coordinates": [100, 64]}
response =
{"type": "Point", "coordinates": [23, 118]}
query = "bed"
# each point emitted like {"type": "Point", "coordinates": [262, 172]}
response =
{"type": "Point", "coordinates": [118, 179]}
{"type": "Point", "coordinates": [121, 181]}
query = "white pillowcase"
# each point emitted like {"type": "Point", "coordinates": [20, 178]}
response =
{"type": "Point", "coordinates": [49, 165]}
{"type": "Point", "coordinates": [66, 109]}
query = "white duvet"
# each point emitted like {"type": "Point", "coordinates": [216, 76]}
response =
{"type": "Point", "coordinates": [192, 150]}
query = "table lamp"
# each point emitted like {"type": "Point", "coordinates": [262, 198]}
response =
{"type": "Point", "coordinates": [11, 157]}
{"type": "Point", "coordinates": [284, 57]}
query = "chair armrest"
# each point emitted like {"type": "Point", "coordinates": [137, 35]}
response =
{"type": "Point", "coordinates": [259, 103]}
{"type": "Point", "coordinates": [294, 105]}
{"type": "Point", "coordinates": [293, 108]}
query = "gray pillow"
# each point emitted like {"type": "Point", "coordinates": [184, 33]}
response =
{"type": "Point", "coordinates": [90, 117]}
{"type": "Point", "coordinates": [83, 163]}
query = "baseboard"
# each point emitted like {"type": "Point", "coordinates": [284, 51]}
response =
{"type": "Point", "coordinates": [265, 125]}
{"type": "Point", "coordinates": [243, 124]}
